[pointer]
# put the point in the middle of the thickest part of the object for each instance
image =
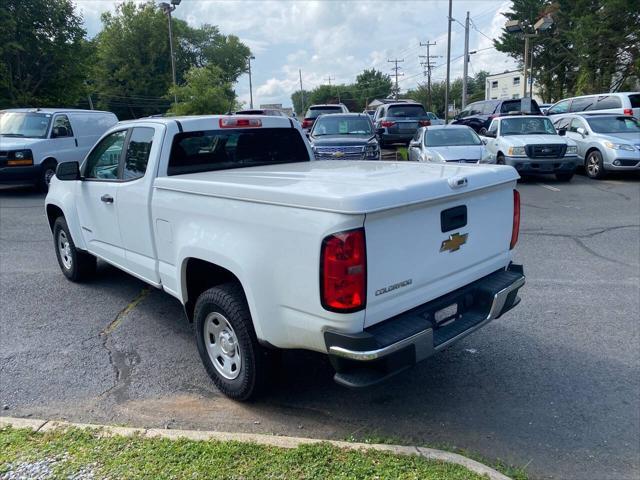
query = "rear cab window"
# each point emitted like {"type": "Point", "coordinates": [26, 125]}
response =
{"type": "Point", "coordinates": [210, 150]}
{"type": "Point", "coordinates": [404, 111]}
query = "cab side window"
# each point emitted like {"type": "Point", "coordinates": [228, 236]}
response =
{"type": "Point", "coordinates": [61, 127]}
{"type": "Point", "coordinates": [137, 155]}
{"type": "Point", "coordinates": [102, 163]}
{"type": "Point", "coordinates": [493, 128]}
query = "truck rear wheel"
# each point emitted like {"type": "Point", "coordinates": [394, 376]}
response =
{"type": "Point", "coordinates": [227, 342]}
{"type": "Point", "coordinates": [75, 264]}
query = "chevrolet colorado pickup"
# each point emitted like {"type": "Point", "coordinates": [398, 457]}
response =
{"type": "Point", "coordinates": [377, 264]}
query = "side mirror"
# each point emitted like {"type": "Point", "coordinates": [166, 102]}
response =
{"type": "Point", "coordinates": [414, 143]}
{"type": "Point", "coordinates": [59, 132]}
{"type": "Point", "coordinates": [562, 132]}
{"type": "Point", "coordinates": [484, 141]}
{"type": "Point", "coordinates": [68, 171]}
{"type": "Point", "coordinates": [582, 131]}
{"type": "Point", "coordinates": [379, 131]}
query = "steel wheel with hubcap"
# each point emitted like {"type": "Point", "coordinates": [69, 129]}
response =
{"type": "Point", "coordinates": [594, 165]}
{"type": "Point", "coordinates": [64, 249]}
{"type": "Point", "coordinates": [222, 345]}
{"type": "Point", "coordinates": [77, 265]}
{"type": "Point", "coordinates": [227, 341]}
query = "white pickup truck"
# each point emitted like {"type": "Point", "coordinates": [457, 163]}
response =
{"type": "Point", "coordinates": [377, 264]}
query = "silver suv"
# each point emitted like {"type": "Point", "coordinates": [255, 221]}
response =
{"type": "Point", "coordinates": [605, 142]}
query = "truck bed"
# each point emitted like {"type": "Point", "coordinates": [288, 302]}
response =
{"type": "Point", "coordinates": [353, 187]}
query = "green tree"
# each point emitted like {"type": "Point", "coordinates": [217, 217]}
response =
{"type": "Point", "coordinates": [204, 91]}
{"type": "Point", "coordinates": [42, 53]}
{"type": "Point", "coordinates": [592, 47]}
{"type": "Point", "coordinates": [371, 84]}
{"type": "Point", "coordinates": [133, 69]}
{"type": "Point", "coordinates": [299, 106]}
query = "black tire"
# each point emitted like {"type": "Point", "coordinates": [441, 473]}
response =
{"type": "Point", "coordinates": [564, 177]}
{"type": "Point", "coordinates": [47, 171]}
{"type": "Point", "coordinates": [482, 131]}
{"type": "Point", "coordinates": [75, 264]}
{"type": "Point", "coordinates": [593, 165]}
{"type": "Point", "coordinates": [500, 159]}
{"type": "Point", "coordinates": [227, 305]}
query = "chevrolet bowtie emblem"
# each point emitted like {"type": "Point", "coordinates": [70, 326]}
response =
{"type": "Point", "coordinates": [454, 242]}
{"type": "Point", "coordinates": [338, 154]}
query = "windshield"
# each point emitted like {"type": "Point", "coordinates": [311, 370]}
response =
{"type": "Point", "coordinates": [24, 124]}
{"type": "Point", "coordinates": [316, 112]}
{"type": "Point", "coordinates": [614, 125]}
{"type": "Point", "coordinates": [400, 111]}
{"type": "Point", "coordinates": [454, 137]}
{"type": "Point", "coordinates": [339, 125]}
{"type": "Point", "coordinates": [527, 126]}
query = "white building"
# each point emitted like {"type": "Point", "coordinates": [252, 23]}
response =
{"type": "Point", "coordinates": [502, 86]}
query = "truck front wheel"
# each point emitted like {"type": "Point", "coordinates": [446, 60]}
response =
{"type": "Point", "coordinates": [75, 264]}
{"type": "Point", "coordinates": [227, 342]}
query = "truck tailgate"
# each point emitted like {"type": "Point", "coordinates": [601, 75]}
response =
{"type": "Point", "coordinates": [407, 262]}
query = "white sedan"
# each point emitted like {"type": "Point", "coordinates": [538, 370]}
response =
{"type": "Point", "coordinates": [448, 143]}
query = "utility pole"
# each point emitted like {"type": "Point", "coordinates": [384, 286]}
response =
{"type": "Point", "coordinates": [251, 57]}
{"type": "Point", "coordinates": [428, 64]}
{"type": "Point", "coordinates": [466, 62]}
{"type": "Point", "coordinates": [396, 68]}
{"type": "Point", "coordinates": [301, 92]}
{"type": "Point", "coordinates": [446, 88]}
{"type": "Point", "coordinates": [329, 78]}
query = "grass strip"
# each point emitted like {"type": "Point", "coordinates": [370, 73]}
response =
{"type": "Point", "coordinates": [75, 453]}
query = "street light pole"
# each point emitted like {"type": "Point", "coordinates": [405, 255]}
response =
{"type": "Point", "coordinates": [167, 9]}
{"type": "Point", "coordinates": [251, 57]}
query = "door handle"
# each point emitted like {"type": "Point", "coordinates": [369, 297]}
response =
{"type": "Point", "coordinates": [106, 198]}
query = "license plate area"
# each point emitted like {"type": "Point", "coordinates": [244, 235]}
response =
{"type": "Point", "coordinates": [446, 315]}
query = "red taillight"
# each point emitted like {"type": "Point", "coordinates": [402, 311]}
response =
{"type": "Point", "coordinates": [516, 219]}
{"type": "Point", "coordinates": [424, 123]}
{"type": "Point", "coordinates": [238, 122]}
{"type": "Point", "coordinates": [307, 123]}
{"type": "Point", "coordinates": [343, 271]}
{"type": "Point", "coordinates": [387, 123]}
{"type": "Point", "coordinates": [628, 111]}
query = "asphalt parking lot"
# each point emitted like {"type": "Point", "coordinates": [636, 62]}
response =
{"type": "Point", "coordinates": [553, 385]}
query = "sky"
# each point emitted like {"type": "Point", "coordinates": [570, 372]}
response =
{"type": "Point", "coordinates": [339, 39]}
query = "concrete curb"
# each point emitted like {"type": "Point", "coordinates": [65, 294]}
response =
{"type": "Point", "coordinates": [271, 440]}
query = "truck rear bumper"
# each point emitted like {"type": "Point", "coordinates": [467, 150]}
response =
{"type": "Point", "coordinates": [384, 349]}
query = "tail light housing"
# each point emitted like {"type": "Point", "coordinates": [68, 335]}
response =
{"type": "Point", "coordinates": [628, 111]}
{"type": "Point", "coordinates": [516, 219]}
{"type": "Point", "coordinates": [424, 123]}
{"type": "Point", "coordinates": [343, 271]}
{"type": "Point", "coordinates": [307, 123]}
{"type": "Point", "coordinates": [387, 123]}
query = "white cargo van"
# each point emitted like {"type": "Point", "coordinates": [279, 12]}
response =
{"type": "Point", "coordinates": [34, 141]}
